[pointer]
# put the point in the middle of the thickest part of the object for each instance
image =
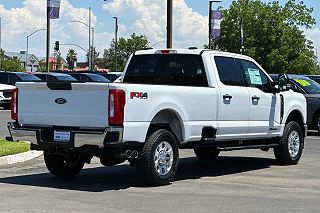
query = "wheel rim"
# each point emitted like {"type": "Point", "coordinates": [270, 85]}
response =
{"type": "Point", "coordinates": [163, 158]}
{"type": "Point", "coordinates": [293, 144]}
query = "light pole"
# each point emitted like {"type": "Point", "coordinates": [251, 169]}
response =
{"type": "Point", "coordinates": [89, 50]}
{"type": "Point", "coordinates": [169, 24]}
{"type": "Point", "coordinates": [157, 43]}
{"type": "Point", "coordinates": [116, 44]}
{"type": "Point", "coordinates": [26, 63]}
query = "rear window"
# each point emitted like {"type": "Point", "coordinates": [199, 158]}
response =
{"type": "Point", "coordinates": [65, 78]}
{"type": "Point", "coordinates": [98, 78]}
{"type": "Point", "coordinates": [167, 69]}
{"type": "Point", "coordinates": [28, 77]}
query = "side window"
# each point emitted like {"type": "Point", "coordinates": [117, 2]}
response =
{"type": "Point", "coordinates": [51, 78]}
{"type": "Point", "coordinates": [228, 71]}
{"type": "Point", "coordinates": [254, 76]}
{"type": "Point", "coordinates": [4, 78]}
{"type": "Point", "coordinates": [296, 88]}
{"type": "Point", "coordinates": [13, 79]}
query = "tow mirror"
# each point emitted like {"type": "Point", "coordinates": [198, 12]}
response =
{"type": "Point", "coordinates": [281, 83]}
{"type": "Point", "coordinates": [284, 82]}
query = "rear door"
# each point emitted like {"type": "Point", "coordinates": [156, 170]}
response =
{"type": "Point", "coordinates": [264, 117]}
{"type": "Point", "coordinates": [233, 99]}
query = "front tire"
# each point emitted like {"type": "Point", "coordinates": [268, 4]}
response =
{"type": "Point", "coordinates": [290, 148]}
{"type": "Point", "coordinates": [158, 160]}
{"type": "Point", "coordinates": [207, 153]}
{"type": "Point", "coordinates": [63, 166]}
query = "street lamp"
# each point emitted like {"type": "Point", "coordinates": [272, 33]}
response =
{"type": "Point", "coordinates": [90, 28]}
{"type": "Point", "coordinates": [25, 65]}
{"type": "Point", "coordinates": [157, 43]}
{"type": "Point", "coordinates": [90, 51]}
{"type": "Point", "coordinates": [116, 43]}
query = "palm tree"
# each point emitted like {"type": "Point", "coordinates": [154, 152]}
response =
{"type": "Point", "coordinates": [71, 58]}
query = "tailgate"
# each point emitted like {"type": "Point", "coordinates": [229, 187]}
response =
{"type": "Point", "coordinates": [63, 104]}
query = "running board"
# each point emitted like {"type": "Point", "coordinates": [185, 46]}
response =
{"type": "Point", "coordinates": [247, 147]}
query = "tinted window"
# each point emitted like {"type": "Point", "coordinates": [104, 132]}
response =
{"type": "Point", "coordinates": [4, 78]}
{"type": "Point", "coordinates": [310, 86]}
{"type": "Point", "coordinates": [42, 77]}
{"type": "Point", "coordinates": [13, 79]}
{"type": "Point", "coordinates": [166, 69]}
{"type": "Point", "coordinates": [27, 77]}
{"type": "Point", "coordinates": [65, 78]}
{"type": "Point", "coordinates": [98, 78]}
{"type": "Point", "coordinates": [254, 76]}
{"type": "Point", "coordinates": [228, 71]}
{"type": "Point", "coordinates": [295, 87]}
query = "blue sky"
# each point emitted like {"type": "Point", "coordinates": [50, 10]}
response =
{"type": "Point", "coordinates": [21, 17]}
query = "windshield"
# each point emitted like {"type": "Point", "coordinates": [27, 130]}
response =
{"type": "Point", "coordinates": [66, 78]}
{"type": "Point", "coordinates": [98, 78]}
{"type": "Point", "coordinates": [28, 77]}
{"type": "Point", "coordinates": [310, 86]}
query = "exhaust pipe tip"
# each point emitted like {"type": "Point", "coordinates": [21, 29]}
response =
{"type": "Point", "coordinates": [135, 154]}
{"type": "Point", "coordinates": [129, 153]}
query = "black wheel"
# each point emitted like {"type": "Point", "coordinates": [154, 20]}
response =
{"type": "Point", "coordinates": [63, 166]}
{"type": "Point", "coordinates": [207, 153]}
{"type": "Point", "coordinates": [158, 160]}
{"type": "Point", "coordinates": [6, 106]}
{"type": "Point", "coordinates": [291, 145]}
{"type": "Point", "coordinates": [317, 122]}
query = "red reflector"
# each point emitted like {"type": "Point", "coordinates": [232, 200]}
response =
{"type": "Point", "coordinates": [165, 51]}
{"type": "Point", "coordinates": [14, 104]}
{"type": "Point", "coordinates": [117, 100]}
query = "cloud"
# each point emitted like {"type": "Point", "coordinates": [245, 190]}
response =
{"type": "Point", "coordinates": [314, 36]}
{"type": "Point", "coordinates": [17, 23]}
{"type": "Point", "coordinates": [149, 17]}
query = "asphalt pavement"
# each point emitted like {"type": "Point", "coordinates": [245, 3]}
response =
{"type": "Point", "coordinates": [238, 181]}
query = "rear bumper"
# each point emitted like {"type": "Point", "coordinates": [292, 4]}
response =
{"type": "Point", "coordinates": [42, 136]}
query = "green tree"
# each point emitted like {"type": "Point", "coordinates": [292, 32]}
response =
{"type": "Point", "coordinates": [10, 64]}
{"type": "Point", "coordinates": [71, 58]}
{"type": "Point", "coordinates": [272, 34]}
{"type": "Point", "coordinates": [125, 48]}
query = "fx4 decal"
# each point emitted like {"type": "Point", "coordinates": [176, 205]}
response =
{"type": "Point", "coordinates": [139, 95]}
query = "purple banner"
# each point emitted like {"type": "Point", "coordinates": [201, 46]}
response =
{"type": "Point", "coordinates": [53, 9]}
{"type": "Point", "coordinates": [216, 17]}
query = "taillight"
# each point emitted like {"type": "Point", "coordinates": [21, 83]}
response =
{"type": "Point", "coordinates": [14, 104]}
{"type": "Point", "coordinates": [117, 100]}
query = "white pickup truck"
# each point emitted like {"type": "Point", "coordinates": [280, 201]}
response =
{"type": "Point", "coordinates": [168, 99]}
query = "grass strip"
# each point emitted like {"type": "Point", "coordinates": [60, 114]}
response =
{"type": "Point", "coordinates": [10, 148]}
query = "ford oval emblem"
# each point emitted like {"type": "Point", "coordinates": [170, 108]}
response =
{"type": "Point", "coordinates": [60, 101]}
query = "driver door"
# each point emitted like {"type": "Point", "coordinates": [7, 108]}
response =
{"type": "Point", "coordinates": [264, 114]}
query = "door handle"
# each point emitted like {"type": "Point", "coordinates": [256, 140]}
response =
{"type": "Point", "coordinates": [227, 96]}
{"type": "Point", "coordinates": [255, 98]}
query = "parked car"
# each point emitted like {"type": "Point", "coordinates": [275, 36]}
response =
{"type": "Point", "coordinates": [11, 78]}
{"type": "Point", "coordinates": [205, 100]}
{"type": "Point", "coordinates": [311, 91]}
{"type": "Point", "coordinates": [54, 77]}
{"type": "Point", "coordinates": [111, 76]}
{"type": "Point", "coordinates": [5, 95]}
{"type": "Point", "coordinates": [89, 77]}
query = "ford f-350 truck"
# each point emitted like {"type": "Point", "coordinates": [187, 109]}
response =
{"type": "Point", "coordinates": [204, 100]}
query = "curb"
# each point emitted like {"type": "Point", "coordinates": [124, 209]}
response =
{"type": "Point", "coordinates": [18, 158]}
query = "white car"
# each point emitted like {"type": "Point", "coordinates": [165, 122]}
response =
{"type": "Point", "coordinates": [5, 95]}
{"type": "Point", "coordinates": [205, 100]}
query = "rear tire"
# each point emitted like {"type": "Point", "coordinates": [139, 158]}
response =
{"type": "Point", "coordinates": [291, 144]}
{"type": "Point", "coordinates": [317, 122]}
{"type": "Point", "coordinates": [6, 106]}
{"type": "Point", "coordinates": [158, 160]}
{"type": "Point", "coordinates": [207, 153]}
{"type": "Point", "coordinates": [63, 166]}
